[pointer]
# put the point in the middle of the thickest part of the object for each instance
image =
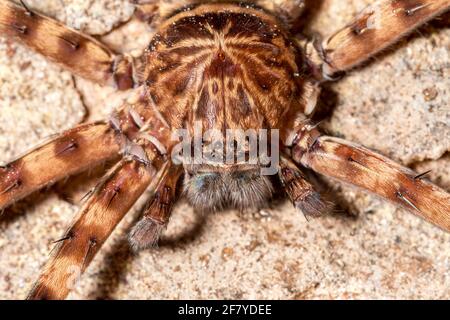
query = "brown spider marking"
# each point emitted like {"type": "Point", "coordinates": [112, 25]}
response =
{"type": "Point", "coordinates": [161, 204]}
{"type": "Point", "coordinates": [242, 105]}
{"type": "Point", "coordinates": [69, 44]}
{"type": "Point", "coordinates": [352, 157]}
{"type": "Point", "coordinates": [302, 193]}
{"type": "Point", "coordinates": [205, 108]}
{"type": "Point", "coordinates": [215, 88]}
{"type": "Point", "coordinates": [66, 145]}
{"type": "Point", "coordinates": [12, 177]}
{"type": "Point", "coordinates": [180, 84]}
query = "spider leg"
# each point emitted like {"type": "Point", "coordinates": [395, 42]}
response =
{"type": "Point", "coordinates": [146, 232]}
{"type": "Point", "coordinates": [146, 11]}
{"type": "Point", "coordinates": [108, 204]}
{"type": "Point", "coordinates": [79, 53]}
{"type": "Point", "coordinates": [350, 163]}
{"type": "Point", "coordinates": [376, 28]}
{"type": "Point", "coordinates": [71, 152]}
{"type": "Point", "coordinates": [301, 192]}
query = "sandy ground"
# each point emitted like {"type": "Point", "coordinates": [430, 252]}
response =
{"type": "Point", "coordinates": [397, 104]}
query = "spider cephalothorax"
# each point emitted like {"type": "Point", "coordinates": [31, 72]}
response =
{"type": "Point", "coordinates": [226, 73]}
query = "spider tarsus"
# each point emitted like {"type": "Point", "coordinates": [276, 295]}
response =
{"type": "Point", "coordinates": [145, 234]}
{"type": "Point", "coordinates": [312, 206]}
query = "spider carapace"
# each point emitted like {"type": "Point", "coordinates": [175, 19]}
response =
{"type": "Point", "coordinates": [222, 69]}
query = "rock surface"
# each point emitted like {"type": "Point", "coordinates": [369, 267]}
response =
{"type": "Point", "coordinates": [398, 104]}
